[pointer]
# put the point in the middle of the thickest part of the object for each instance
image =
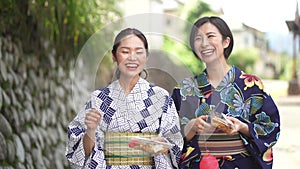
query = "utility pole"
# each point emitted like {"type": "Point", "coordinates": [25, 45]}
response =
{"type": "Point", "coordinates": [294, 27]}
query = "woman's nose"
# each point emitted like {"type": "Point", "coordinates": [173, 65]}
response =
{"type": "Point", "coordinates": [132, 56]}
{"type": "Point", "coordinates": [204, 42]}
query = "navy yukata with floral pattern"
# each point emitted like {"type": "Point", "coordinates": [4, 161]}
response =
{"type": "Point", "coordinates": [239, 95]}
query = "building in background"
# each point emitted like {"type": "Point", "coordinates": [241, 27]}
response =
{"type": "Point", "coordinates": [294, 27]}
{"type": "Point", "coordinates": [247, 37]}
{"type": "Point", "coordinates": [159, 18]}
{"type": "Point", "coordinates": [156, 18]}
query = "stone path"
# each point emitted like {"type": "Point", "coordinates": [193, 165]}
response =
{"type": "Point", "coordinates": [287, 150]}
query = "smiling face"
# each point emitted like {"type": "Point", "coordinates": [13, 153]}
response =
{"type": "Point", "coordinates": [209, 45]}
{"type": "Point", "coordinates": [131, 56]}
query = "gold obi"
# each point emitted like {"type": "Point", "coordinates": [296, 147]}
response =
{"type": "Point", "coordinates": [117, 151]}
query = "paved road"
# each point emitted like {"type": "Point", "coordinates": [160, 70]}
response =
{"type": "Point", "coordinates": [287, 150]}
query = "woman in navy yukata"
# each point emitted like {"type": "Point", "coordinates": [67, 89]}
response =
{"type": "Point", "coordinates": [252, 116]}
{"type": "Point", "coordinates": [103, 135]}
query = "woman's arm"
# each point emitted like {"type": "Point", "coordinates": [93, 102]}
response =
{"type": "Point", "coordinates": [88, 142]}
{"type": "Point", "coordinates": [92, 120]}
{"type": "Point", "coordinates": [189, 132]}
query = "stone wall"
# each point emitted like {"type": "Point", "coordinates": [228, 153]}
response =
{"type": "Point", "coordinates": [35, 106]}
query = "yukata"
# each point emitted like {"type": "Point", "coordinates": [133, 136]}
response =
{"type": "Point", "coordinates": [147, 110]}
{"type": "Point", "coordinates": [239, 95]}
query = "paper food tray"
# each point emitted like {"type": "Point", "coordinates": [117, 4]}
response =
{"type": "Point", "coordinates": [221, 122]}
{"type": "Point", "coordinates": [152, 145]}
{"type": "Point", "coordinates": [144, 140]}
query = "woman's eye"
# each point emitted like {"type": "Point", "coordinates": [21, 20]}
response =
{"type": "Point", "coordinates": [140, 52]}
{"type": "Point", "coordinates": [125, 52]}
{"type": "Point", "coordinates": [210, 36]}
{"type": "Point", "coordinates": [197, 38]}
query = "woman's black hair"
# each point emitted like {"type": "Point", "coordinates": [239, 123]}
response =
{"type": "Point", "coordinates": [126, 32]}
{"type": "Point", "coordinates": [221, 26]}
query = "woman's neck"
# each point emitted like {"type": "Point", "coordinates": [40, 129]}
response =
{"type": "Point", "coordinates": [128, 84]}
{"type": "Point", "coordinates": [216, 73]}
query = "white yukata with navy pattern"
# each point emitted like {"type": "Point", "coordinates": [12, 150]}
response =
{"type": "Point", "coordinates": [147, 108]}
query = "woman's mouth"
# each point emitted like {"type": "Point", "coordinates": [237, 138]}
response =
{"type": "Point", "coordinates": [207, 52]}
{"type": "Point", "coordinates": [131, 65]}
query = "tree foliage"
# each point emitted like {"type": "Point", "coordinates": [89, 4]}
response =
{"type": "Point", "coordinates": [199, 9]}
{"type": "Point", "coordinates": [244, 59]}
{"type": "Point", "coordinates": [64, 25]}
{"type": "Point", "coordinates": [184, 53]}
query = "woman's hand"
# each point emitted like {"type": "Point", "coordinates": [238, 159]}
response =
{"type": "Point", "coordinates": [92, 119]}
{"type": "Point", "coordinates": [198, 126]}
{"type": "Point", "coordinates": [238, 126]}
{"type": "Point", "coordinates": [164, 150]}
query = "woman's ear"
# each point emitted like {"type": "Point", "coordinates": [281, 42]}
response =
{"type": "Point", "coordinates": [226, 42]}
{"type": "Point", "coordinates": [113, 57]}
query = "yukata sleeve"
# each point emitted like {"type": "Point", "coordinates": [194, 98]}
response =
{"type": "Point", "coordinates": [264, 128]}
{"type": "Point", "coordinates": [170, 130]}
{"type": "Point", "coordinates": [74, 149]}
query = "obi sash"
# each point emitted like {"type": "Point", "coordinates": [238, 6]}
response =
{"type": "Point", "coordinates": [117, 151]}
{"type": "Point", "coordinates": [221, 144]}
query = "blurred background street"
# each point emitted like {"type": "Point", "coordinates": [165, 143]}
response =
{"type": "Point", "coordinates": [287, 150]}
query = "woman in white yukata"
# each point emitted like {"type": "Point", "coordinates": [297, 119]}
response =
{"type": "Point", "coordinates": [100, 135]}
